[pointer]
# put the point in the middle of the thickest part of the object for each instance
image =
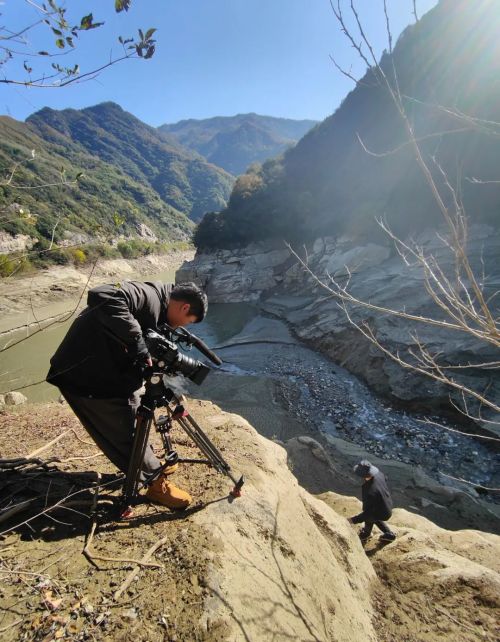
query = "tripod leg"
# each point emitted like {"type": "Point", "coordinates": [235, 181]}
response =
{"type": "Point", "coordinates": [143, 423]}
{"type": "Point", "coordinates": [204, 444]}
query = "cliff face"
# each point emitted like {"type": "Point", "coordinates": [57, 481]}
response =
{"type": "Point", "coordinates": [275, 564]}
{"type": "Point", "coordinates": [268, 273]}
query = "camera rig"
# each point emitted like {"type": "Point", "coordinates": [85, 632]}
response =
{"type": "Point", "coordinates": [168, 361]}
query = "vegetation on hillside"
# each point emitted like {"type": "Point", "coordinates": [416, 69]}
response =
{"type": "Point", "coordinates": [329, 184]}
{"type": "Point", "coordinates": [181, 179]}
{"type": "Point", "coordinates": [60, 189]}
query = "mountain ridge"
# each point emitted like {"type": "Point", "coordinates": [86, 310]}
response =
{"type": "Point", "coordinates": [87, 205]}
{"type": "Point", "coordinates": [235, 142]}
{"type": "Point", "coordinates": [182, 179]}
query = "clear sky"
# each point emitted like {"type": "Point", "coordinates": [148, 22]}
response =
{"type": "Point", "coordinates": [213, 58]}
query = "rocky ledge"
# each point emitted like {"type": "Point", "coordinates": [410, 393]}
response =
{"type": "Point", "coordinates": [267, 273]}
{"type": "Point", "coordinates": [277, 563]}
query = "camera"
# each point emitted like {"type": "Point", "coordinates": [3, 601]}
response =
{"type": "Point", "coordinates": [169, 360]}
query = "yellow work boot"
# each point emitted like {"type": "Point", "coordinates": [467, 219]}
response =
{"type": "Point", "coordinates": [170, 469]}
{"type": "Point", "coordinates": [164, 492]}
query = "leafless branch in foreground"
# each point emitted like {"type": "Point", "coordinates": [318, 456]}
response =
{"type": "Point", "coordinates": [461, 301]}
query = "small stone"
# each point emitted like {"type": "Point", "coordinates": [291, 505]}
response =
{"type": "Point", "coordinates": [15, 398]}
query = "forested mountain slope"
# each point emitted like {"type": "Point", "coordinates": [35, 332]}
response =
{"type": "Point", "coordinates": [448, 65]}
{"type": "Point", "coordinates": [33, 200]}
{"type": "Point", "coordinates": [182, 179]}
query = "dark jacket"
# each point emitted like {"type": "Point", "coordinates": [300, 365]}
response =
{"type": "Point", "coordinates": [96, 357]}
{"type": "Point", "coordinates": [377, 500]}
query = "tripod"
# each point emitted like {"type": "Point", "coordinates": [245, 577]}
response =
{"type": "Point", "coordinates": [158, 395]}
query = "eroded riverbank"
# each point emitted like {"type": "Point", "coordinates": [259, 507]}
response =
{"type": "Point", "coordinates": [26, 300]}
{"type": "Point", "coordinates": [286, 390]}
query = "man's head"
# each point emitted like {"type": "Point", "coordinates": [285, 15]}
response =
{"type": "Point", "coordinates": [365, 469]}
{"type": "Point", "coordinates": [187, 304]}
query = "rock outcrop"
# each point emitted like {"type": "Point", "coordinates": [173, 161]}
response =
{"type": "Point", "coordinates": [276, 564]}
{"type": "Point", "coordinates": [268, 273]}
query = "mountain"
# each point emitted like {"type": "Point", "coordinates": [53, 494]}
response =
{"type": "Point", "coordinates": [180, 178]}
{"type": "Point", "coordinates": [448, 65]}
{"type": "Point", "coordinates": [103, 192]}
{"type": "Point", "coordinates": [236, 142]}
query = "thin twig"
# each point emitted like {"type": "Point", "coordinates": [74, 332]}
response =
{"type": "Point", "coordinates": [48, 445]}
{"type": "Point", "coordinates": [453, 619]}
{"type": "Point", "coordinates": [10, 626]}
{"type": "Point", "coordinates": [92, 556]}
{"type": "Point", "coordinates": [135, 572]}
{"type": "Point", "coordinates": [469, 483]}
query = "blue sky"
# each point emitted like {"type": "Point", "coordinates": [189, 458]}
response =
{"type": "Point", "coordinates": [214, 57]}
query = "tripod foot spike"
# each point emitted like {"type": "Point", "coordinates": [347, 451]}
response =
{"type": "Point", "coordinates": [126, 512]}
{"type": "Point", "coordinates": [236, 492]}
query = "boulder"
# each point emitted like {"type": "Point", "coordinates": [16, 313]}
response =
{"type": "Point", "coordinates": [15, 398]}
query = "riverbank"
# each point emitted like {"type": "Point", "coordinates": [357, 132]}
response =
{"type": "Point", "coordinates": [25, 300]}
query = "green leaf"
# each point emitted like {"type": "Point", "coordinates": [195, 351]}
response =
{"type": "Point", "coordinates": [43, 53]}
{"type": "Point", "coordinates": [57, 32]}
{"type": "Point", "coordinates": [86, 21]}
{"type": "Point", "coordinates": [122, 5]}
{"type": "Point", "coordinates": [60, 43]}
{"type": "Point", "coordinates": [149, 33]}
{"type": "Point", "coordinates": [70, 41]}
{"type": "Point", "coordinates": [149, 53]}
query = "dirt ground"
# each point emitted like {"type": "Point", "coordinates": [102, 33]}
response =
{"type": "Point", "coordinates": [272, 567]}
{"type": "Point", "coordinates": [50, 590]}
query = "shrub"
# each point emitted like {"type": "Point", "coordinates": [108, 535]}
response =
{"type": "Point", "coordinates": [77, 255]}
{"type": "Point", "coordinates": [7, 266]}
{"type": "Point", "coordinates": [126, 250]}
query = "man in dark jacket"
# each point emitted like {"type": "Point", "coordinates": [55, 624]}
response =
{"type": "Point", "coordinates": [377, 502]}
{"type": "Point", "coordinates": [98, 366]}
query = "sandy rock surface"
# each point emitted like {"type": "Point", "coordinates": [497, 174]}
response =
{"type": "Point", "coordinates": [275, 564]}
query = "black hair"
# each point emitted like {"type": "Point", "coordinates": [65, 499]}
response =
{"type": "Point", "coordinates": [191, 293]}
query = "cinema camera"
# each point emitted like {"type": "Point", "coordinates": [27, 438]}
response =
{"type": "Point", "coordinates": [168, 360]}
